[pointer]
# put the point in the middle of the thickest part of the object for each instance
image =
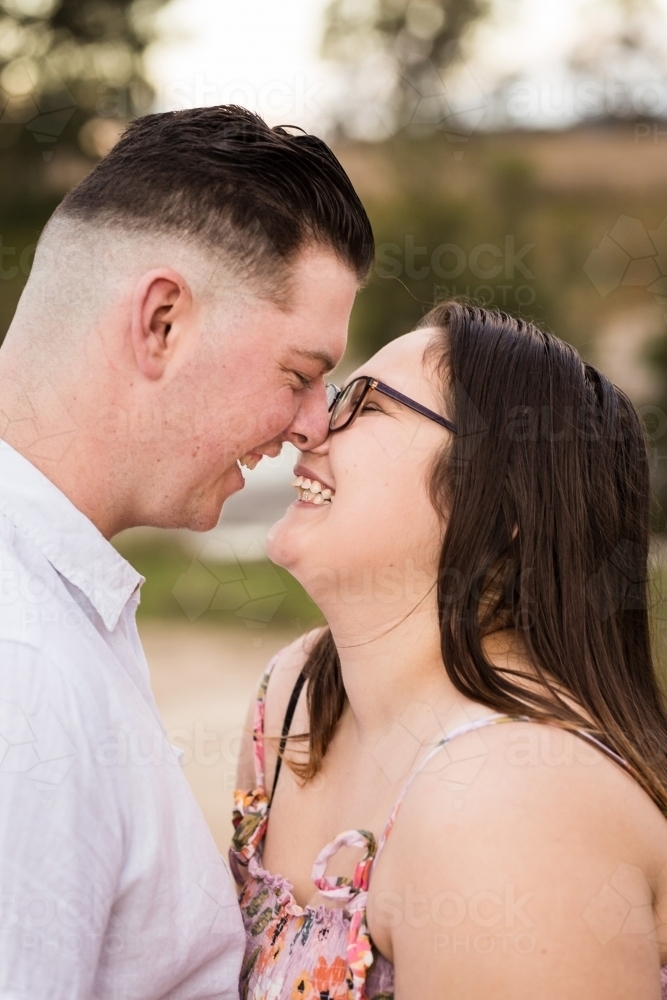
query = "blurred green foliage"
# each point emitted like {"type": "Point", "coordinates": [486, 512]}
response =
{"type": "Point", "coordinates": [493, 227]}
{"type": "Point", "coordinates": [71, 72]}
{"type": "Point", "coordinates": [656, 424]}
{"type": "Point", "coordinates": [17, 246]}
{"type": "Point", "coordinates": [184, 588]}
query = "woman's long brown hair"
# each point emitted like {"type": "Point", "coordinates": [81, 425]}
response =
{"type": "Point", "coordinates": [545, 489]}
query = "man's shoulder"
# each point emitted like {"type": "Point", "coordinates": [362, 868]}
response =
{"type": "Point", "coordinates": [10, 539]}
{"type": "Point", "coordinates": [25, 577]}
{"type": "Point", "coordinates": [44, 633]}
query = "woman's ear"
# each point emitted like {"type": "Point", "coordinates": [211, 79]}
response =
{"type": "Point", "coordinates": [160, 303]}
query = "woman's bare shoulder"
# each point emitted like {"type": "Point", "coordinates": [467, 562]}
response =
{"type": "Point", "coordinates": [289, 664]}
{"type": "Point", "coordinates": [529, 796]}
{"type": "Point", "coordinates": [528, 821]}
{"type": "Point", "coordinates": [285, 673]}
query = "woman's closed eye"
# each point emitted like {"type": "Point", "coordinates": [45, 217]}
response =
{"type": "Point", "coordinates": [381, 405]}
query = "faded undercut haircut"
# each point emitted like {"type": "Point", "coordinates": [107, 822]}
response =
{"type": "Point", "coordinates": [222, 179]}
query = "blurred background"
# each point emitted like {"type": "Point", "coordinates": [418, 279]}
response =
{"type": "Point", "coordinates": [510, 151]}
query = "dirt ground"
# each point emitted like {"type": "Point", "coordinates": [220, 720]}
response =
{"type": "Point", "coordinates": [204, 678]}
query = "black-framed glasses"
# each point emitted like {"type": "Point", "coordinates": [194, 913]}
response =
{"type": "Point", "coordinates": [345, 404]}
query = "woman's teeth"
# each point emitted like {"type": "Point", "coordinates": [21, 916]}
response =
{"type": "Point", "coordinates": [310, 491]}
{"type": "Point", "coordinates": [250, 461]}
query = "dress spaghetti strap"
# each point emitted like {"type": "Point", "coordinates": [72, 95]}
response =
{"type": "Point", "coordinates": [258, 726]}
{"type": "Point", "coordinates": [467, 727]}
{"type": "Point", "coordinates": [258, 723]}
{"type": "Point", "coordinates": [287, 722]}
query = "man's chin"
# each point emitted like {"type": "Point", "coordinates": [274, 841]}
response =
{"type": "Point", "coordinates": [206, 514]}
{"type": "Point", "coordinates": [201, 521]}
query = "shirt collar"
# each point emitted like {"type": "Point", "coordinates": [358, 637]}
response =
{"type": "Point", "coordinates": [68, 539]}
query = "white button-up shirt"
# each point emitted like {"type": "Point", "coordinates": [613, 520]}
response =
{"type": "Point", "coordinates": [110, 882]}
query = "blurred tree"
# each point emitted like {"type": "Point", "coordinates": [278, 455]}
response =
{"type": "Point", "coordinates": [402, 54]}
{"type": "Point", "coordinates": [629, 38]}
{"type": "Point", "coordinates": [614, 71]}
{"type": "Point", "coordinates": [71, 74]}
{"type": "Point", "coordinates": [622, 45]}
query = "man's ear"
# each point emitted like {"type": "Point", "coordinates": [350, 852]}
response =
{"type": "Point", "coordinates": [160, 303]}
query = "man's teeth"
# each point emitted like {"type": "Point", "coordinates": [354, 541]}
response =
{"type": "Point", "coordinates": [250, 461]}
{"type": "Point", "coordinates": [311, 491]}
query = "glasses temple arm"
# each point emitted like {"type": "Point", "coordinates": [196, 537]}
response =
{"type": "Point", "coordinates": [386, 390]}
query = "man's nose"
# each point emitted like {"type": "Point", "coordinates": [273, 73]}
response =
{"type": "Point", "coordinates": [310, 426]}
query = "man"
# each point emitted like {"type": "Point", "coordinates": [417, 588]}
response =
{"type": "Point", "coordinates": [185, 301]}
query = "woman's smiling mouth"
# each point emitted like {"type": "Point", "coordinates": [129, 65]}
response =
{"type": "Point", "coordinates": [310, 489]}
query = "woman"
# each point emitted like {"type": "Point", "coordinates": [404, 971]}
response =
{"type": "Point", "coordinates": [481, 719]}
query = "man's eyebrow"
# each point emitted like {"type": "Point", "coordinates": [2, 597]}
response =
{"type": "Point", "coordinates": [322, 357]}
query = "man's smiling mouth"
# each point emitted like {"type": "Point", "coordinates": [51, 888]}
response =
{"type": "Point", "coordinates": [251, 459]}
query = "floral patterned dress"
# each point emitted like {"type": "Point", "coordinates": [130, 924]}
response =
{"type": "Point", "coordinates": [316, 952]}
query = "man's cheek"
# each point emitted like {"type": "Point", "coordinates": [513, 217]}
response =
{"type": "Point", "coordinates": [236, 431]}
{"type": "Point", "coordinates": [275, 418]}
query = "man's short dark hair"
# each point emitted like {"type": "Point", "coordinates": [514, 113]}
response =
{"type": "Point", "coordinates": [222, 177]}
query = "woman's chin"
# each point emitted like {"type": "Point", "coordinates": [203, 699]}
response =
{"type": "Point", "coordinates": [281, 545]}
{"type": "Point", "coordinates": [291, 541]}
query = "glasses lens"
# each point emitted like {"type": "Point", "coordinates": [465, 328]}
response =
{"type": "Point", "coordinates": [347, 403]}
{"type": "Point", "coordinates": [332, 394]}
